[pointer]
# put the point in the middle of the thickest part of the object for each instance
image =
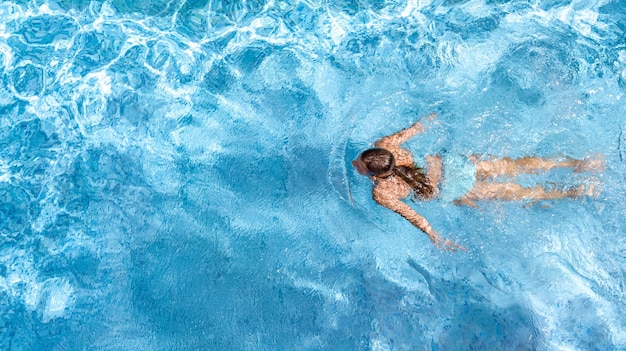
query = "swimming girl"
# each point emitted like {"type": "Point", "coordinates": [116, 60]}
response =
{"type": "Point", "coordinates": [457, 179]}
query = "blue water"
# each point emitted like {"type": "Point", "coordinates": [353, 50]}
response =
{"type": "Point", "coordinates": [175, 175]}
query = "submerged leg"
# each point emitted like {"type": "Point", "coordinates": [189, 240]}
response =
{"type": "Point", "coordinates": [516, 192]}
{"type": "Point", "coordinates": [512, 167]}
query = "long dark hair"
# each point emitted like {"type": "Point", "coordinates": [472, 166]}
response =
{"type": "Point", "coordinates": [417, 179]}
{"type": "Point", "coordinates": [381, 163]}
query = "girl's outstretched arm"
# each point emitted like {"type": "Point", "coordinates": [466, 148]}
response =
{"type": "Point", "coordinates": [394, 140]}
{"type": "Point", "coordinates": [416, 219]}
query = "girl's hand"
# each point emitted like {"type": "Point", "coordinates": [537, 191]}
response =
{"type": "Point", "coordinates": [445, 244]}
{"type": "Point", "coordinates": [451, 246]}
{"type": "Point", "coordinates": [430, 118]}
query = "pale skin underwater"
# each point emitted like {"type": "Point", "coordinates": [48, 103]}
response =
{"type": "Point", "coordinates": [389, 190]}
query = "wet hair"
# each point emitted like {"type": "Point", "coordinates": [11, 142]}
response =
{"type": "Point", "coordinates": [417, 179]}
{"type": "Point", "coordinates": [380, 162]}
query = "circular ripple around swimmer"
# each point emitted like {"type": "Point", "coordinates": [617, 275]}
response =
{"type": "Point", "coordinates": [27, 80]}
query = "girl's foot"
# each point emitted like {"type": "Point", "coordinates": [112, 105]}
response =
{"type": "Point", "coordinates": [592, 164]}
{"type": "Point", "coordinates": [591, 189]}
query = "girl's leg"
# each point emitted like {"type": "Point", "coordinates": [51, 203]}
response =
{"type": "Point", "coordinates": [512, 167]}
{"type": "Point", "coordinates": [516, 192]}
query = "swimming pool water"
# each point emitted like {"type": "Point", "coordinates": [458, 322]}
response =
{"type": "Point", "coordinates": [175, 175]}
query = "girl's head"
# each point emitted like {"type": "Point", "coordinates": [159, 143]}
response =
{"type": "Point", "coordinates": [375, 162]}
{"type": "Point", "coordinates": [381, 163]}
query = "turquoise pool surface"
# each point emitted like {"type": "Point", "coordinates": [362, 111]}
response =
{"type": "Point", "coordinates": [175, 175]}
